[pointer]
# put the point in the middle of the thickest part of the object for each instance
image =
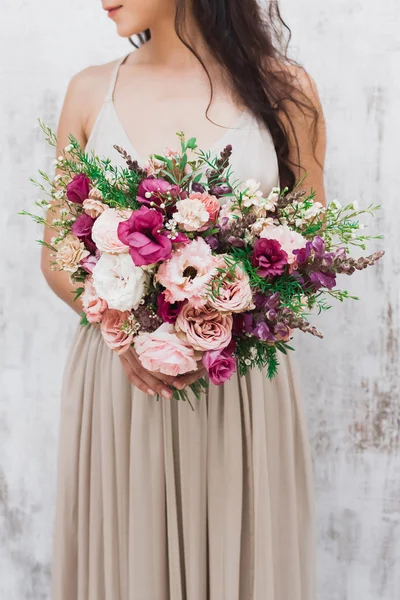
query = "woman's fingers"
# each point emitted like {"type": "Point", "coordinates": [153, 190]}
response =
{"type": "Point", "coordinates": [153, 384]}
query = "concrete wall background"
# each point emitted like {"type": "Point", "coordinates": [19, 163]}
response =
{"type": "Point", "coordinates": [351, 380]}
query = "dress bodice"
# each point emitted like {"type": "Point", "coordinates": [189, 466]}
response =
{"type": "Point", "coordinates": [253, 155]}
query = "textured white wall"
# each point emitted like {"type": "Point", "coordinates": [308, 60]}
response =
{"type": "Point", "coordinates": [351, 380]}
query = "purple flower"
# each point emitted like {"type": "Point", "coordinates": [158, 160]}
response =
{"type": "Point", "coordinates": [142, 233]}
{"type": "Point", "coordinates": [166, 311]}
{"type": "Point", "coordinates": [263, 332]}
{"type": "Point", "coordinates": [320, 279]}
{"type": "Point", "coordinates": [269, 257]}
{"type": "Point", "coordinates": [220, 190]}
{"type": "Point", "coordinates": [82, 228]}
{"type": "Point", "coordinates": [212, 241]}
{"type": "Point", "coordinates": [220, 365]}
{"type": "Point", "coordinates": [153, 190]}
{"type": "Point", "coordinates": [78, 189]}
{"type": "Point", "coordinates": [197, 187]}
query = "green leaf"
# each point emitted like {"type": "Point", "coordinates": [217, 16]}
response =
{"type": "Point", "coordinates": [197, 178]}
{"type": "Point", "coordinates": [78, 292]}
{"type": "Point", "coordinates": [84, 322]}
{"type": "Point", "coordinates": [192, 144]}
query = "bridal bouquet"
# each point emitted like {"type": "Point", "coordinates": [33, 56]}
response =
{"type": "Point", "coordinates": [186, 264]}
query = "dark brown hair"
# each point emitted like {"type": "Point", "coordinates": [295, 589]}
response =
{"type": "Point", "coordinates": [252, 45]}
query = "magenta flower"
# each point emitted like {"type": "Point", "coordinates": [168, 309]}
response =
{"type": "Point", "coordinates": [142, 233]}
{"type": "Point", "coordinates": [269, 257]}
{"type": "Point", "coordinates": [166, 311]}
{"type": "Point", "coordinates": [78, 189]}
{"type": "Point", "coordinates": [153, 190]}
{"type": "Point", "coordinates": [220, 365]}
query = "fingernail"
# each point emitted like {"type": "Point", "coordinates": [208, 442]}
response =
{"type": "Point", "coordinates": [179, 385]}
{"type": "Point", "coordinates": [151, 392]}
{"type": "Point", "coordinates": [167, 394]}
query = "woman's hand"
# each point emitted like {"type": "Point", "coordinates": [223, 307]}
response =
{"type": "Point", "coordinates": [154, 383]}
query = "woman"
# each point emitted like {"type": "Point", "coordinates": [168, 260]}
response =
{"type": "Point", "coordinates": [155, 501]}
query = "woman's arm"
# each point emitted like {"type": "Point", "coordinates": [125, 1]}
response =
{"type": "Point", "coordinates": [71, 121]}
{"type": "Point", "coordinates": [311, 139]}
{"type": "Point", "coordinates": [76, 114]}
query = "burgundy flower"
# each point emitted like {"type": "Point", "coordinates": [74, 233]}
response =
{"type": "Point", "coordinates": [220, 365]}
{"type": "Point", "coordinates": [269, 257]}
{"type": "Point", "coordinates": [197, 187]}
{"type": "Point", "coordinates": [78, 189]}
{"type": "Point", "coordinates": [82, 228]}
{"type": "Point", "coordinates": [166, 311]}
{"type": "Point", "coordinates": [152, 191]}
{"type": "Point", "coordinates": [320, 279]}
{"type": "Point", "coordinates": [238, 324]}
{"type": "Point", "coordinates": [142, 233]}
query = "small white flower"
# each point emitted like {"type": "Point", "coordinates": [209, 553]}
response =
{"type": "Point", "coordinates": [58, 176]}
{"type": "Point", "coordinates": [356, 206]}
{"type": "Point", "coordinates": [336, 204]}
{"type": "Point", "coordinates": [68, 148]}
{"type": "Point", "coordinates": [60, 159]}
{"type": "Point", "coordinates": [59, 194]}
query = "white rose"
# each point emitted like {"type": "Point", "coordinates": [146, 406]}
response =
{"type": "Point", "coordinates": [105, 230]}
{"type": "Point", "coordinates": [191, 215]}
{"type": "Point", "coordinates": [119, 282]}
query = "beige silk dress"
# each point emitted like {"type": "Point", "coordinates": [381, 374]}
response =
{"type": "Point", "coordinates": [159, 502]}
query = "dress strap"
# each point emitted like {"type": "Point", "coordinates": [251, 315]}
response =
{"type": "Point", "coordinates": [114, 76]}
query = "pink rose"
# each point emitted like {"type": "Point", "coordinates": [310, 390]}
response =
{"type": "Point", "coordinates": [232, 292]}
{"type": "Point", "coordinates": [93, 306]}
{"type": "Point", "coordinates": [142, 234]}
{"type": "Point", "coordinates": [78, 188]}
{"type": "Point", "coordinates": [211, 204]}
{"type": "Point", "coordinates": [163, 351]}
{"type": "Point", "coordinates": [105, 231]}
{"type": "Point", "coordinates": [186, 275]}
{"type": "Point", "coordinates": [111, 329]}
{"type": "Point", "coordinates": [220, 365]}
{"type": "Point", "coordinates": [205, 328]}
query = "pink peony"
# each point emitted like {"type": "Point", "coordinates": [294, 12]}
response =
{"type": "Point", "coordinates": [288, 238]}
{"type": "Point", "coordinates": [205, 328]}
{"type": "Point", "coordinates": [142, 234]}
{"type": "Point", "coordinates": [105, 231]}
{"type": "Point", "coordinates": [78, 188]}
{"type": "Point", "coordinates": [232, 293]}
{"type": "Point", "coordinates": [186, 275]}
{"type": "Point", "coordinates": [211, 204]}
{"type": "Point", "coordinates": [163, 351]}
{"type": "Point", "coordinates": [111, 329]}
{"type": "Point", "coordinates": [220, 365]}
{"type": "Point", "coordinates": [93, 306]}
{"type": "Point", "coordinates": [269, 257]}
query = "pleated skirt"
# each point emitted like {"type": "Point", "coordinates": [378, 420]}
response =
{"type": "Point", "coordinates": [156, 501]}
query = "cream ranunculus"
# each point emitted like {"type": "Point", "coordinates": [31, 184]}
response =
{"type": "Point", "coordinates": [190, 214]}
{"type": "Point", "coordinates": [119, 282]}
{"type": "Point", "coordinates": [70, 251]}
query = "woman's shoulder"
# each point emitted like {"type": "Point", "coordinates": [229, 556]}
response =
{"type": "Point", "coordinates": [93, 79]}
{"type": "Point", "coordinates": [295, 75]}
